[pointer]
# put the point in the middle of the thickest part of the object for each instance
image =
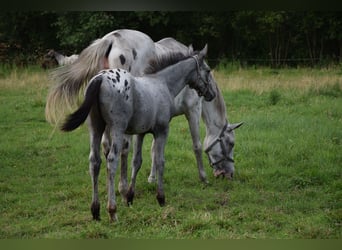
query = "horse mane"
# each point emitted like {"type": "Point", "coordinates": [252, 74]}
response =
{"type": "Point", "coordinates": [162, 62]}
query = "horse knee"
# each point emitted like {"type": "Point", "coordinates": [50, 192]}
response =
{"type": "Point", "coordinates": [125, 147]}
{"type": "Point", "coordinates": [197, 147]}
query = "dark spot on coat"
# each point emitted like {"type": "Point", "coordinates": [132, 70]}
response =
{"type": "Point", "coordinates": [122, 59]}
{"type": "Point", "coordinates": [134, 52]}
{"type": "Point", "coordinates": [117, 34]}
{"type": "Point", "coordinates": [119, 70]}
{"type": "Point", "coordinates": [118, 78]}
{"type": "Point", "coordinates": [126, 83]}
{"type": "Point", "coordinates": [129, 69]}
{"type": "Point", "coordinates": [111, 71]}
{"type": "Point", "coordinates": [113, 80]}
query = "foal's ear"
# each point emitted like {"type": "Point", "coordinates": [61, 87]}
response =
{"type": "Point", "coordinates": [203, 52]}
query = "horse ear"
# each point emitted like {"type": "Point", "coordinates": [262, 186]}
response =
{"type": "Point", "coordinates": [234, 126]}
{"type": "Point", "coordinates": [203, 52]}
{"type": "Point", "coordinates": [191, 49]}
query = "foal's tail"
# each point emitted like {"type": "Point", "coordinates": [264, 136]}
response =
{"type": "Point", "coordinates": [72, 78]}
{"type": "Point", "coordinates": [77, 118]}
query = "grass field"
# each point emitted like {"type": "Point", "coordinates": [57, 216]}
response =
{"type": "Point", "coordinates": [288, 166]}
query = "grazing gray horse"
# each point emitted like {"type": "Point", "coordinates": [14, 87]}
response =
{"type": "Point", "coordinates": [120, 103]}
{"type": "Point", "coordinates": [132, 50]}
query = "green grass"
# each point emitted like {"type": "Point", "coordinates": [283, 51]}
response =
{"type": "Point", "coordinates": [288, 168]}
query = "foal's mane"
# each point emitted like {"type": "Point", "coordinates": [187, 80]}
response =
{"type": "Point", "coordinates": [162, 62]}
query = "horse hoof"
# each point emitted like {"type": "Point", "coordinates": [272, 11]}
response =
{"type": "Point", "coordinates": [112, 213]}
{"type": "Point", "coordinates": [161, 200]}
{"type": "Point", "coordinates": [129, 197]}
{"type": "Point", "coordinates": [113, 218]}
{"type": "Point", "coordinates": [95, 210]}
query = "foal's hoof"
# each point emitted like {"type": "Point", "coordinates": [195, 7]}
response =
{"type": "Point", "coordinates": [112, 213]}
{"type": "Point", "coordinates": [129, 197]}
{"type": "Point", "coordinates": [95, 211]}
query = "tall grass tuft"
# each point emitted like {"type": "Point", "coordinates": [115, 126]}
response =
{"type": "Point", "coordinates": [274, 97]}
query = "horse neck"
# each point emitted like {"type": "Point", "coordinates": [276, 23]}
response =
{"type": "Point", "coordinates": [214, 114]}
{"type": "Point", "coordinates": [178, 75]}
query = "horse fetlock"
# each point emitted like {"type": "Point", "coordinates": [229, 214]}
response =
{"type": "Point", "coordinates": [152, 179]}
{"type": "Point", "coordinates": [123, 188]}
{"type": "Point", "coordinates": [203, 178]}
{"type": "Point", "coordinates": [95, 210]}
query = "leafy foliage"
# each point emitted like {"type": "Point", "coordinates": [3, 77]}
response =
{"type": "Point", "coordinates": [252, 37]}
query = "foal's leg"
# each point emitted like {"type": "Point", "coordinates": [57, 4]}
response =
{"type": "Point", "coordinates": [152, 176]}
{"type": "Point", "coordinates": [193, 118]}
{"type": "Point", "coordinates": [123, 186]}
{"type": "Point", "coordinates": [137, 161]}
{"type": "Point", "coordinates": [112, 164]}
{"type": "Point", "coordinates": [94, 165]}
{"type": "Point", "coordinates": [106, 142]}
{"type": "Point", "coordinates": [158, 153]}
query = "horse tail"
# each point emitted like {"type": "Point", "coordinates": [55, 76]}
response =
{"type": "Point", "coordinates": [77, 118]}
{"type": "Point", "coordinates": [70, 79]}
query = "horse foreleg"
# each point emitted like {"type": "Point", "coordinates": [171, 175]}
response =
{"type": "Point", "coordinates": [137, 161]}
{"type": "Point", "coordinates": [123, 186]}
{"type": "Point", "coordinates": [112, 164]}
{"type": "Point", "coordinates": [194, 125]}
{"type": "Point", "coordinates": [158, 153]}
{"type": "Point", "coordinates": [152, 176]}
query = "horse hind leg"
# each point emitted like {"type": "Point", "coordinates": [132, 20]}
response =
{"type": "Point", "coordinates": [106, 142]}
{"type": "Point", "coordinates": [94, 167]}
{"type": "Point", "coordinates": [137, 161]}
{"type": "Point", "coordinates": [123, 186]}
{"type": "Point", "coordinates": [112, 164]}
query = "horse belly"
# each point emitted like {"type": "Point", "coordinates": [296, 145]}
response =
{"type": "Point", "coordinates": [142, 120]}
